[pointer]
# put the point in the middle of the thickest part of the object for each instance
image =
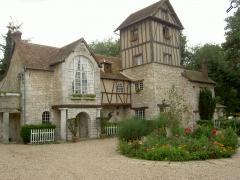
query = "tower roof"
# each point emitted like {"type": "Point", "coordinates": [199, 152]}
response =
{"type": "Point", "coordinates": [148, 12]}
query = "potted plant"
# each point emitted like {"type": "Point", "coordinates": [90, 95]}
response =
{"type": "Point", "coordinates": [73, 128]}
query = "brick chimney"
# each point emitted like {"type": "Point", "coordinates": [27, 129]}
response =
{"type": "Point", "coordinates": [17, 36]}
{"type": "Point", "coordinates": [205, 68]}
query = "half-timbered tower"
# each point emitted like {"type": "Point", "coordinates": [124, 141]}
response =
{"type": "Point", "coordinates": [150, 52]}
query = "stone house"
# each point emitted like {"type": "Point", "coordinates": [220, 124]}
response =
{"type": "Point", "coordinates": [48, 84]}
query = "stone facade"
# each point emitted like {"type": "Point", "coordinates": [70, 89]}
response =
{"type": "Point", "coordinates": [41, 79]}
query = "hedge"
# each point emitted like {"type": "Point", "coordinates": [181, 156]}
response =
{"type": "Point", "coordinates": [26, 130]}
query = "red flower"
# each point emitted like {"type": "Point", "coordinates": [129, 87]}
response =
{"type": "Point", "coordinates": [187, 130]}
{"type": "Point", "coordinates": [214, 132]}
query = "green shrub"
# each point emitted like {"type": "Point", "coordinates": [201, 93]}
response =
{"type": "Point", "coordinates": [228, 137]}
{"type": "Point", "coordinates": [26, 130]}
{"type": "Point", "coordinates": [207, 123]}
{"type": "Point", "coordinates": [133, 129]}
{"type": "Point", "coordinates": [233, 123]}
{"type": "Point", "coordinates": [202, 131]}
{"type": "Point", "coordinates": [207, 104]}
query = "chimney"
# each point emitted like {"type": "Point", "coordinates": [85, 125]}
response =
{"type": "Point", "coordinates": [17, 36]}
{"type": "Point", "coordinates": [205, 68]}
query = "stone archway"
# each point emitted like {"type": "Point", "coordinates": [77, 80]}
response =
{"type": "Point", "coordinates": [83, 119]}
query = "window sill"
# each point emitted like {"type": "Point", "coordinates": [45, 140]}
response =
{"type": "Point", "coordinates": [83, 98]}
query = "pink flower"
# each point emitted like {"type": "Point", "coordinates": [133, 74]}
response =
{"type": "Point", "coordinates": [187, 130]}
{"type": "Point", "coordinates": [214, 132]}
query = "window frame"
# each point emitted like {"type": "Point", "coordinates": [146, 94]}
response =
{"type": "Point", "coordinates": [138, 86]}
{"type": "Point", "coordinates": [140, 113]}
{"type": "Point", "coordinates": [165, 15]}
{"type": "Point", "coordinates": [166, 33]}
{"type": "Point", "coordinates": [120, 87]}
{"type": "Point", "coordinates": [136, 60]}
{"type": "Point", "coordinates": [46, 117]}
{"type": "Point", "coordinates": [134, 35]}
{"type": "Point", "coordinates": [83, 75]}
{"type": "Point", "coordinates": [167, 58]}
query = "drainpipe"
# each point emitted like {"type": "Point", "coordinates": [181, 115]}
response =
{"type": "Point", "coordinates": [24, 92]}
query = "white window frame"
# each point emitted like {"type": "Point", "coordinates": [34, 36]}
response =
{"type": "Point", "coordinates": [140, 114]}
{"type": "Point", "coordinates": [138, 60]}
{"type": "Point", "coordinates": [46, 117]}
{"type": "Point", "coordinates": [120, 87]}
{"type": "Point", "coordinates": [139, 86]}
{"type": "Point", "coordinates": [83, 76]}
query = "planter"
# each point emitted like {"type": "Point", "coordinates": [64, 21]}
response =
{"type": "Point", "coordinates": [168, 131]}
{"type": "Point", "coordinates": [75, 139]}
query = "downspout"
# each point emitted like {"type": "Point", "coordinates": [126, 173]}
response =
{"type": "Point", "coordinates": [24, 92]}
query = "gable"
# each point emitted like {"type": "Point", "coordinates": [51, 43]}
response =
{"type": "Point", "coordinates": [167, 13]}
{"type": "Point", "coordinates": [150, 12]}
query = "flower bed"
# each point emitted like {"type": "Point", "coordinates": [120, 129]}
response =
{"type": "Point", "coordinates": [199, 144]}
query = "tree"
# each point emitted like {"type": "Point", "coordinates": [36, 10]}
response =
{"type": "Point", "coordinates": [108, 47]}
{"type": "Point", "coordinates": [7, 47]}
{"type": "Point", "coordinates": [232, 49]}
{"type": "Point", "coordinates": [207, 104]}
{"type": "Point", "coordinates": [186, 53]}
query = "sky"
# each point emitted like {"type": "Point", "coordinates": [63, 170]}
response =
{"type": "Point", "coordinates": [60, 22]}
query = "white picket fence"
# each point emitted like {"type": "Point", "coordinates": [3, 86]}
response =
{"type": "Point", "coordinates": [111, 130]}
{"type": "Point", "coordinates": [42, 136]}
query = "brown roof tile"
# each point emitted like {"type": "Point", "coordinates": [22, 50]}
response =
{"type": "Point", "coordinates": [35, 56]}
{"type": "Point", "coordinates": [196, 76]}
{"type": "Point", "coordinates": [116, 62]}
{"type": "Point", "coordinates": [146, 13]}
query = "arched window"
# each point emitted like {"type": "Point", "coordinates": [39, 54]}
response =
{"type": "Point", "coordinates": [83, 76]}
{"type": "Point", "coordinates": [45, 117]}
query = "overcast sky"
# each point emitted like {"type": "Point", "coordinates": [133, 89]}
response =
{"type": "Point", "coordinates": [59, 22]}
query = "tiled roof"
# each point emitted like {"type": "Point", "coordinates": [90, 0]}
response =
{"type": "Point", "coordinates": [197, 76]}
{"type": "Point", "coordinates": [146, 13]}
{"type": "Point", "coordinates": [42, 57]}
{"type": "Point", "coordinates": [116, 62]}
{"type": "Point", "coordinates": [34, 55]}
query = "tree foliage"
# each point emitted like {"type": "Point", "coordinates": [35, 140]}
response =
{"type": "Point", "coordinates": [207, 104]}
{"type": "Point", "coordinates": [7, 47]}
{"type": "Point", "coordinates": [108, 47]}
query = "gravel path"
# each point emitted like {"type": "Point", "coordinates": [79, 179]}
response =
{"type": "Point", "coordinates": [98, 160]}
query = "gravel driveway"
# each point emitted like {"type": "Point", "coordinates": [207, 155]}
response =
{"type": "Point", "coordinates": [98, 159]}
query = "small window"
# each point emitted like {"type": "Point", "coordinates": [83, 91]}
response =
{"type": "Point", "coordinates": [134, 35]}
{"type": "Point", "coordinates": [45, 117]}
{"type": "Point", "coordinates": [120, 87]}
{"type": "Point", "coordinates": [166, 33]}
{"type": "Point", "coordinates": [107, 68]}
{"type": "Point", "coordinates": [138, 86]}
{"type": "Point", "coordinates": [138, 60]}
{"type": "Point", "coordinates": [140, 114]}
{"type": "Point", "coordinates": [165, 15]}
{"type": "Point", "coordinates": [167, 58]}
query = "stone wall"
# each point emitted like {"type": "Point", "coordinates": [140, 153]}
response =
{"type": "Point", "coordinates": [158, 79]}
{"type": "Point", "coordinates": [118, 114]}
{"type": "Point", "coordinates": [93, 126]}
{"type": "Point", "coordinates": [39, 90]}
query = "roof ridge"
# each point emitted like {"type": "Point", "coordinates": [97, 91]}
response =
{"type": "Point", "coordinates": [34, 44]}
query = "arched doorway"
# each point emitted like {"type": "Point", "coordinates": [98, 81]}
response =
{"type": "Point", "coordinates": [83, 119]}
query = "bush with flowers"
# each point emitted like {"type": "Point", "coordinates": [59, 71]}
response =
{"type": "Point", "coordinates": [198, 144]}
{"type": "Point", "coordinates": [165, 140]}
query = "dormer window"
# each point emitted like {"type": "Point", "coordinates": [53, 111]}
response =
{"type": "Point", "coordinates": [165, 15]}
{"type": "Point", "coordinates": [138, 60]}
{"type": "Point", "coordinates": [107, 67]}
{"type": "Point", "coordinates": [166, 33]}
{"type": "Point", "coordinates": [134, 35]}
